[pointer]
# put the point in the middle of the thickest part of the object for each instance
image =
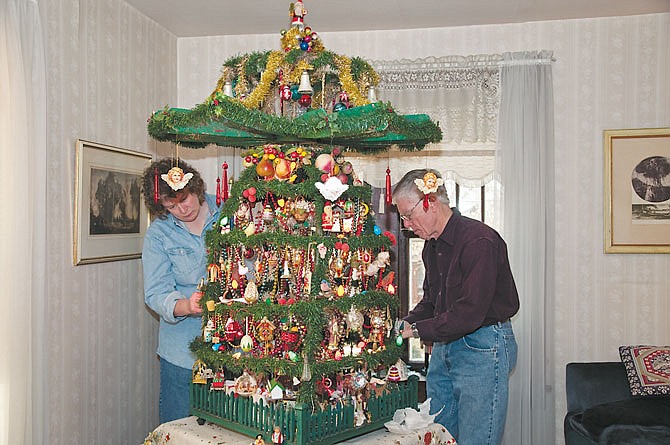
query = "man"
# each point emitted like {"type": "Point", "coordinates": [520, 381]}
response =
{"type": "Point", "coordinates": [469, 297]}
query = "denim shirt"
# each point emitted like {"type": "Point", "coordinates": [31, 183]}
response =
{"type": "Point", "coordinates": [174, 261]}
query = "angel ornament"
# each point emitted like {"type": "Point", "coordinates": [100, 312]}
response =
{"type": "Point", "coordinates": [176, 178]}
{"type": "Point", "coordinates": [428, 184]}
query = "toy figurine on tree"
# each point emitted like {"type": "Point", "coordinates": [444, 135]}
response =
{"type": "Point", "coordinates": [277, 436]}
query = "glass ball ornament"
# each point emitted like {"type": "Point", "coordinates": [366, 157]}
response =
{"type": "Point", "coordinates": [304, 45]}
{"type": "Point", "coordinates": [294, 92]}
{"type": "Point", "coordinates": [339, 107]}
{"type": "Point", "coordinates": [305, 100]}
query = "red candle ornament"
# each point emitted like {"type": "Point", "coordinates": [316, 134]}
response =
{"type": "Point", "coordinates": [218, 192]}
{"type": "Point", "coordinates": [224, 188]}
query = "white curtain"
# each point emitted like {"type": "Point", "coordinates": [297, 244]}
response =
{"type": "Point", "coordinates": [23, 223]}
{"type": "Point", "coordinates": [496, 112]}
{"type": "Point", "coordinates": [525, 166]}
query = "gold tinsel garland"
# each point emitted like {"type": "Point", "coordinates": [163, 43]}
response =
{"type": "Point", "coordinates": [347, 81]}
{"type": "Point", "coordinates": [293, 76]}
{"type": "Point", "coordinates": [254, 99]}
{"type": "Point", "coordinates": [242, 83]}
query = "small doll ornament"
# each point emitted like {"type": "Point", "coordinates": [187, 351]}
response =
{"type": "Point", "coordinates": [176, 178]}
{"type": "Point", "coordinates": [277, 436]}
{"type": "Point", "coordinates": [233, 331]}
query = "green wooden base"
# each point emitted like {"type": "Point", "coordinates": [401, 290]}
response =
{"type": "Point", "coordinates": [300, 423]}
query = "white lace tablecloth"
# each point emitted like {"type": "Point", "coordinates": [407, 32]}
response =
{"type": "Point", "coordinates": [186, 431]}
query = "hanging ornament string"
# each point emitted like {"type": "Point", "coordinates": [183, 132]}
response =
{"type": "Point", "coordinates": [156, 193]}
{"type": "Point", "coordinates": [389, 198]}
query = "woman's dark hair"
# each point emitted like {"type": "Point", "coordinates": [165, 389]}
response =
{"type": "Point", "coordinates": [196, 185]}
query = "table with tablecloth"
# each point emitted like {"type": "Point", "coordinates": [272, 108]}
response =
{"type": "Point", "coordinates": [187, 431]}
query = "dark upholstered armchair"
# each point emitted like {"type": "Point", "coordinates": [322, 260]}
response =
{"type": "Point", "coordinates": [601, 409]}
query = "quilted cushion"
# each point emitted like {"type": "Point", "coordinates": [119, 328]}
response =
{"type": "Point", "coordinates": [647, 369]}
{"type": "Point", "coordinates": [648, 411]}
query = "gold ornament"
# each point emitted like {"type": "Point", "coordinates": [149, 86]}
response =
{"type": "Point", "coordinates": [251, 293]}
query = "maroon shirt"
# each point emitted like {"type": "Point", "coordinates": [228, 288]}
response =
{"type": "Point", "coordinates": [468, 282]}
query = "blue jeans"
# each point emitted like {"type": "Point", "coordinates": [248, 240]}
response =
{"type": "Point", "coordinates": [468, 380]}
{"type": "Point", "coordinates": [174, 392]}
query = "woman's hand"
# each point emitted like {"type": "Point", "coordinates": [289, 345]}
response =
{"type": "Point", "coordinates": [188, 306]}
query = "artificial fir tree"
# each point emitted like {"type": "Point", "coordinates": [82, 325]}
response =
{"type": "Point", "coordinates": [299, 299]}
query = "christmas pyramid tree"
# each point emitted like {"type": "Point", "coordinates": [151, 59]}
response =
{"type": "Point", "coordinates": [299, 300]}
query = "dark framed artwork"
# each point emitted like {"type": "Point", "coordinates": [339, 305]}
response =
{"type": "Point", "coordinates": [110, 218]}
{"type": "Point", "coordinates": [637, 190]}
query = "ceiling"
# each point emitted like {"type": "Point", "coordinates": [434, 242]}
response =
{"type": "Point", "coordinates": [194, 18]}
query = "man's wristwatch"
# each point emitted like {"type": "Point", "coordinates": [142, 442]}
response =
{"type": "Point", "coordinates": [415, 331]}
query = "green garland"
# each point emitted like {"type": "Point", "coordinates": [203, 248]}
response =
{"type": "Point", "coordinates": [314, 315]}
{"type": "Point", "coordinates": [226, 122]}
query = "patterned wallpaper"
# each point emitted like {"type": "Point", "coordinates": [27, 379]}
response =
{"type": "Point", "coordinates": [109, 67]}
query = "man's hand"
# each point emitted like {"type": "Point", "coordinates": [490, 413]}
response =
{"type": "Point", "coordinates": [406, 330]}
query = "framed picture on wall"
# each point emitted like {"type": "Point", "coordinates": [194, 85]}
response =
{"type": "Point", "coordinates": [110, 218]}
{"type": "Point", "coordinates": [637, 190]}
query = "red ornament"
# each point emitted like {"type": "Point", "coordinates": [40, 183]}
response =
{"type": "Point", "coordinates": [218, 192]}
{"type": "Point", "coordinates": [285, 92]}
{"type": "Point", "coordinates": [390, 236]}
{"type": "Point", "coordinates": [233, 330]}
{"type": "Point", "coordinates": [224, 190]}
{"type": "Point", "coordinates": [305, 100]}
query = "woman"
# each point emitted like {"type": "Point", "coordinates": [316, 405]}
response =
{"type": "Point", "coordinates": [174, 262]}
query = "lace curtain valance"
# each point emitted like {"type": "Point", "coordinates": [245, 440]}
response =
{"type": "Point", "coordinates": [461, 93]}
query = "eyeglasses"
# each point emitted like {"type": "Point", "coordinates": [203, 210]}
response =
{"type": "Point", "coordinates": [406, 217]}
